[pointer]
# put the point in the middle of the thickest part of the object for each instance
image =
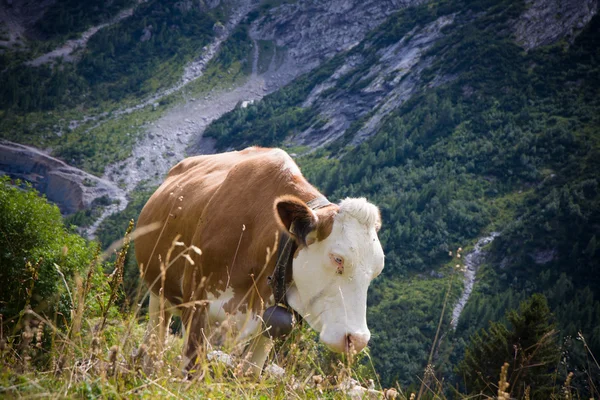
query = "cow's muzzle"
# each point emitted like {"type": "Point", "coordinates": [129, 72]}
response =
{"type": "Point", "coordinates": [350, 342]}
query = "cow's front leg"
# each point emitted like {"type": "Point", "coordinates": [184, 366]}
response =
{"type": "Point", "coordinates": [257, 354]}
{"type": "Point", "coordinates": [194, 319]}
{"type": "Point", "coordinates": [159, 319]}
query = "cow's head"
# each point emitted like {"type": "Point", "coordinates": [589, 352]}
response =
{"type": "Point", "coordinates": [339, 255]}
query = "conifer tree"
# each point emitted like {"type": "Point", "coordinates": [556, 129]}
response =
{"type": "Point", "coordinates": [529, 346]}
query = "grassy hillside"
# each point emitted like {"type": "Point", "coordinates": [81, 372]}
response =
{"type": "Point", "coordinates": [71, 330]}
{"type": "Point", "coordinates": [93, 344]}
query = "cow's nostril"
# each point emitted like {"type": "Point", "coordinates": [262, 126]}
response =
{"type": "Point", "coordinates": [356, 342]}
{"type": "Point", "coordinates": [349, 344]}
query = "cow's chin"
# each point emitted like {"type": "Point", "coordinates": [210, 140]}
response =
{"type": "Point", "coordinates": [334, 336]}
{"type": "Point", "coordinates": [328, 337]}
{"type": "Point", "coordinates": [294, 300]}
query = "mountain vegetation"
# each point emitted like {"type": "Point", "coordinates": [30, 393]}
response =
{"type": "Point", "coordinates": [69, 106]}
{"type": "Point", "coordinates": [494, 139]}
{"type": "Point", "coordinates": [37, 253]}
{"type": "Point", "coordinates": [509, 144]}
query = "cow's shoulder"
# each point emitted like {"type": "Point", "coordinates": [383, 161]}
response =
{"type": "Point", "coordinates": [254, 154]}
{"type": "Point", "coordinates": [205, 163]}
{"type": "Point", "coordinates": [273, 162]}
{"type": "Point", "coordinates": [246, 192]}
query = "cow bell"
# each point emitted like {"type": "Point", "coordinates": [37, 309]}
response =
{"type": "Point", "coordinates": [278, 321]}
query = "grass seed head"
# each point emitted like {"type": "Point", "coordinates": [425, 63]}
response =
{"type": "Point", "coordinates": [317, 379]}
{"type": "Point", "coordinates": [390, 394]}
{"type": "Point", "coordinates": [95, 345]}
{"type": "Point", "coordinates": [503, 383]}
{"type": "Point", "coordinates": [112, 354]}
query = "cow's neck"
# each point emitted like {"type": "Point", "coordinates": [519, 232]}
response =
{"type": "Point", "coordinates": [282, 274]}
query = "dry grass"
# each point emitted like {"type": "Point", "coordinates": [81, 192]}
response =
{"type": "Point", "coordinates": [99, 351]}
{"type": "Point", "coordinates": [102, 350]}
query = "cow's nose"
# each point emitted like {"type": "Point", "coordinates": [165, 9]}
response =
{"type": "Point", "coordinates": [356, 341]}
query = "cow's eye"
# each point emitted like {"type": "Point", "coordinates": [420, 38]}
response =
{"type": "Point", "coordinates": [338, 262]}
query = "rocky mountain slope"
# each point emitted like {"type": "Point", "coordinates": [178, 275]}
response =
{"type": "Point", "coordinates": [545, 22]}
{"type": "Point", "coordinates": [164, 141]}
{"type": "Point", "coordinates": [306, 34]}
{"type": "Point", "coordinates": [70, 188]}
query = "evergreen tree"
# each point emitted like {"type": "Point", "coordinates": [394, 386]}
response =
{"type": "Point", "coordinates": [529, 346]}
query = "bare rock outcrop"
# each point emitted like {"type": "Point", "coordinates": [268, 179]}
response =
{"type": "Point", "coordinates": [17, 18]}
{"type": "Point", "coordinates": [386, 84]}
{"type": "Point", "coordinates": [313, 31]}
{"type": "Point", "coordinates": [70, 188]}
{"type": "Point", "coordinates": [547, 21]}
{"type": "Point", "coordinates": [473, 261]}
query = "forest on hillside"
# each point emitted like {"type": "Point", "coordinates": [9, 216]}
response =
{"type": "Point", "coordinates": [507, 143]}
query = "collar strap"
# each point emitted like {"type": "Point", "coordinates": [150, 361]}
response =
{"type": "Point", "coordinates": [318, 202]}
{"type": "Point", "coordinates": [285, 254]}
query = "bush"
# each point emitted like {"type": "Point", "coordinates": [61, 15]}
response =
{"type": "Point", "coordinates": [33, 242]}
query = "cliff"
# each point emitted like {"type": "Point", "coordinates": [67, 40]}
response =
{"type": "Point", "coordinates": [70, 188]}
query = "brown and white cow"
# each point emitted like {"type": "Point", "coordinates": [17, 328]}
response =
{"type": "Point", "coordinates": [233, 206]}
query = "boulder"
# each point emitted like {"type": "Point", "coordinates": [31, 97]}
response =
{"type": "Point", "coordinates": [71, 189]}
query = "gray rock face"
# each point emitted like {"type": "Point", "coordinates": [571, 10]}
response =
{"type": "Point", "coordinates": [385, 85]}
{"type": "Point", "coordinates": [210, 4]}
{"type": "Point", "coordinates": [312, 31]}
{"type": "Point", "coordinates": [70, 188]}
{"type": "Point", "coordinates": [542, 257]}
{"type": "Point", "coordinates": [146, 34]}
{"type": "Point", "coordinates": [219, 29]}
{"type": "Point", "coordinates": [17, 17]}
{"type": "Point", "coordinates": [547, 21]}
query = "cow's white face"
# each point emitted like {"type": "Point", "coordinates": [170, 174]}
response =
{"type": "Point", "coordinates": [332, 276]}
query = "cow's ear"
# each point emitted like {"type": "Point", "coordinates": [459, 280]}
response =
{"type": "Point", "coordinates": [295, 217]}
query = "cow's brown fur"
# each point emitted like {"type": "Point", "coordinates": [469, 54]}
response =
{"type": "Point", "coordinates": [225, 205]}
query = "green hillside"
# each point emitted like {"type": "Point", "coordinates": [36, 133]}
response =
{"type": "Point", "coordinates": [516, 153]}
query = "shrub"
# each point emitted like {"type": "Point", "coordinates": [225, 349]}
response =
{"type": "Point", "coordinates": [34, 247]}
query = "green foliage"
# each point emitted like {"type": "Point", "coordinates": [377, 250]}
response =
{"type": "Point", "coordinates": [403, 316]}
{"type": "Point", "coordinates": [118, 55]}
{"type": "Point", "coordinates": [272, 119]}
{"type": "Point", "coordinates": [236, 48]}
{"type": "Point", "coordinates": [67, 17]}
{"type": "Point", "coordinates": [116, 63]}
{"type": "Point", "coordinates": [86, 217]}
{"type": "Point", "coordinates": [34, 246]}
{"type": "Point", "coordinates": [113, 228]}
{"type": "Point", "coordinates": [115, 225]}
{"type": "Point", "coordinates": [529, 346]}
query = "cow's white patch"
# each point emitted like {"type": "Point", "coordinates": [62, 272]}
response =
{"type": "Point", "coordinates": [288, 164]}
{"type": "Point", "coordinates": [335, 304]}
{"type": "Point", "coordinates": [245, 324]}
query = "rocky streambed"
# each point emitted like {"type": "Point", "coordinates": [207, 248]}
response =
{"type": "Point", "coordinates": [473, 261]}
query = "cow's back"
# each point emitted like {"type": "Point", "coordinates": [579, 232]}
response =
{"type": "Point", "coordinates": [213, 202]}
